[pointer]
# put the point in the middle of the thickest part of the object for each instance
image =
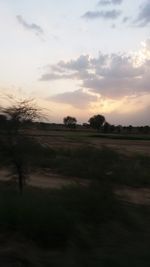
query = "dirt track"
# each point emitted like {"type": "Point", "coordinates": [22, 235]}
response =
{"type": "Point", "coordinates": [124, 146]}
{"type": "Point", "coordinates": [42, 180]}
{"type": "Point", "coordinates": [46, 180]}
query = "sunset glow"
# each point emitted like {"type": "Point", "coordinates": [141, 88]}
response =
{"type": "Point", "coordinates": [78, 58]}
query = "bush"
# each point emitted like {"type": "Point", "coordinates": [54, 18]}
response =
{"type": "Point", "coordinates": [53, 217]}
{"type": "Point", "coordinates": [98, 164]}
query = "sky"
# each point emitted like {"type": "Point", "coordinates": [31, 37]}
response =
{"type": "Point", "coordinates": [78, 58]}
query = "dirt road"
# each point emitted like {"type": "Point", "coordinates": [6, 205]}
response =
{"type": "Point", "coordinates": [51, 180]}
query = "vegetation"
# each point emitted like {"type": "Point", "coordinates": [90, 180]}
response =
{"type": "Point", "coordinates": [97, 121]}
{"type": "Point", "coordinates": [93, 164]}
{"type": "Point", "coordinates": [70, 122]}
{"type": "Point", "coordinates": [84, 224]}
{"type": "Point", "coordinates": [16, 145]}
{"type": "Point", "coordinates": [74, 226]}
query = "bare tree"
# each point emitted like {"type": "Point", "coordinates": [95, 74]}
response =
{"type": "Point", "coordinates": [17, 144]}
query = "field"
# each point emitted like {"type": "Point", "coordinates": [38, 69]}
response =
{"type": "Point", "coordinates": [86, 202]}
{"type": "Point", "coordinates": [76, 138]}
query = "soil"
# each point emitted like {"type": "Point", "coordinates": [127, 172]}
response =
{"type": "Point", "coordinates": [52, 180]}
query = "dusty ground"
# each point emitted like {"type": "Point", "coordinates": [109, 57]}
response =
{"type": "Point", "coordinates": [135, 195]}
{"type": "Point", "coordinates": [65, 140]}
{"type": "Point", "coordinates": [125, 146]}
{"type": "Point", "coordinates": [46, 179]}
{"type": "Point", "coordinates": [72, 139]}
{"type": "Point", "coordinates": [52, 180]}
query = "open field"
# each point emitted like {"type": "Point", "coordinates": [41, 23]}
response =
{"type": "Point", "coordinates": [52, 180]}
{"type": "Point", "coordinates": [122, 143]}
{"type": "Point", "coordinates": [86, 203]}
{"type": "Point", "coordinates": [73, 226]}
{"type": "Point", "coordinates": [64, 162]}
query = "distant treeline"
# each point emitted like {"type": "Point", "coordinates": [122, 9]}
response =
{"type": "Point", "coordinates": [104, 128]}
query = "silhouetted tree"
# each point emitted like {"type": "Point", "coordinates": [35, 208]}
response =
{"type": "Point", "coordinates": [3, 121]}
{"type": "Point", "coordinates": [118, 129]}
{"type": "Point", "coordinates": [70, 122]}
{"type": "Point", "coordinates": [97, 121]}
{"type": "Point", "coordinates": [106, 127]}
{"type": "Point", "coordinates": [17, 145]}
{"type": "Point", "coordinates": [146, 129]}
{"type": "Point", "coordinates": [130, 129]}
{"type": "Point", "coordinates": [86, 125]}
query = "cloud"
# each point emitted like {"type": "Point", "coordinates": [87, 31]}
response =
{"type": "Point", "coordinates": [113, 26]}
{"type": "Point", "coordinates": [110, 2]}
{"type": "Point", "coordinates": [31, 27]}
{"type": "Point", "coordinates": [109, 75]}
{"type": "Point", "coordinates": [143, 18]}
{"type": "Point", "coordinates": [73, 69]}
{"type": "Point", "coordinates": [56, 76]}
{"type": "Point", "coordinates": [78, 99]}
{"type": "Point", "coordinates": [111, 14]}
{"type": "Point", "coordinates": [137, 118]}
{"type": "Point", "coordinates": [125, 19]}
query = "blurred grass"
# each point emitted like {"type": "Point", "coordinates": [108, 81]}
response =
{"type": "Point", "coordinates": [76, 226]}
{"type": "Point", "coordinates": [102, 164]}
{"type": "Point", "coordinates": [122, 136]}
{"type": "Point", "coordinates": [85, 161]}
{"type": "Point", "coordinates": [51, 217]}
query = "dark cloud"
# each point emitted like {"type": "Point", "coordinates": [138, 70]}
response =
{"type": "Point", "coordinates": [56, 76]}
{"type": "Point", "coordinates": [110, 2]}
{"type": "Point", "coordinates": [78, 99]}
{"type": "Point", "coordinates": [143, 18]}
{"type": "Point", "coordinates": [73, 69]}
{"type": "Point", "coordinates": [137, 118]}
{"type": "Point", "coordinates": [113, 26]}
{"type": "Point", "coordinates": [125, 19]}
{"type": "Point", "coordinates": [111, 14]}
{"type": "Point", "coordinates": [31, 27]}
{"type": "Point", "coordinates": [113, 75]}
{"type": "Point", "coordinates": [118, 77]}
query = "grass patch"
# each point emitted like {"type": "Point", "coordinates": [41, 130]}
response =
{"type": "Point", "coordinates": [122, 136]}
{"type": "Point", "coordinates": [77, 226]}
{"type": "Point", "coordinates": [52, 217]}
{"type": "Point", "coordinates": [102, 164]}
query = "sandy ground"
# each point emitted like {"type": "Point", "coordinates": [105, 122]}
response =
{"type": "Point", "coordinates": [135, 195]}
{"type": "Point", "coordinates": [123, 146]}
{"type": "Point", "coordinates": [46, 179]}
{"type": "Point", "coordinates": [52, 180]}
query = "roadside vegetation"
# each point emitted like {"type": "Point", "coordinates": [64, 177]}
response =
{"type": "Point", "coordinates": [89, 163]}
{"type": "Point", "coordinates": [73, 226]}
{"type": "Point", "coordinates": [77, 225]}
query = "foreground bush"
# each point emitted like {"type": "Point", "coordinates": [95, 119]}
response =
{"type": "Point", "coordinates": [103, 164]}
{"type": "Point", "coordinates": [74, 226]}
{"type": "Point", "coordinates": [53, 218]}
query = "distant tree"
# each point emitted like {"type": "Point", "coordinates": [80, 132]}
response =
{"type": "Point", "coordinates": [141, 129]}
{"type": "Point", "coordinates": [112, 128]}
{"type": "Point", "coordinates": [86, 125]}
{"type": "Point", "coordinates": [146, 129]}
{"type": "Point", "coordinates": [106, 127]}
{"type": "Point", "coordinates": [3, 121]}
{"type": "Point", "coordinates": [97, 121]}
{"type": "Point", "coordinates": [118, 129]}
{"type": "Point", "coordinates": [3, 118]}
{"type": "Point", "coordinates": [70, 122]}
{"type": "Point", "coordinates": [17, 145]}
{"type": "Point", "coordinates": [130, 129]}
